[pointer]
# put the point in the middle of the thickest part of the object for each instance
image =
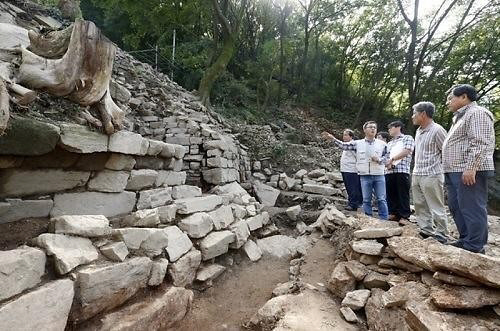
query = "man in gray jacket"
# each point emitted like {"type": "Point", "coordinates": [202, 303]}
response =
{"type": "Point", "coordinates": [371, 155]}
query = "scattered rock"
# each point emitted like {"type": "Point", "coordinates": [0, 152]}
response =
{"type": "Point", "coordinates": [266, 194]}
{"type": "Point", "coordinates": [82, 225]}
{"type": "Point", "coordinates": [115, 251]}
{"type": "Point", "coordinates": [158, 271]}
{"type": "Point", "coordinates": [183, 271]}
{"type": "Point", "coordinates": [293, 212]}
{"type": "Point", "coordinates": [369, 247]}
{"type": "Point", "coordinates": [209, 272]}
{"type": "Point", "coordinates": [356, 299]}
{"type": "Point", "coordinates": [464, 297]}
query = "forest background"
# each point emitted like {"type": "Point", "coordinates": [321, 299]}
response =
{"type": "Point", "coordinates": [349, 60]}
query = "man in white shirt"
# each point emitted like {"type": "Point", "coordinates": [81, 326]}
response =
{"type": "Point", "coordinates": [350, 174]}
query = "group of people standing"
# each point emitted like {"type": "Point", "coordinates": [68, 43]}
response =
{"type": "Point", "coordinates": [461, 158]}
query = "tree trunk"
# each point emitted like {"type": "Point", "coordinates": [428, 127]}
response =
{"type": "Point", "coordinates": [4, 107]}
{"type": "Point", "coordinates": [52, 45]}
{"type": "Point", "coordinates": [82, 74]}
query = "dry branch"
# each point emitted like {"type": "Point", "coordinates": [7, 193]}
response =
{"type": "Point", "coordinates": [22, 95]}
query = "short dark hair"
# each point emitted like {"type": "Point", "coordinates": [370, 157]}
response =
{"type": "Point", "coordinates": [425, 107]}
{"type": "Point", "coordinates": [384, 135]}
{"type": "Point", "coordinates": [396, 124]}
{"type": "Point", "coordinates": [369, 122]}
{"type": "Point", "coordinates": [349, 132]}
{"type": "Point", "coordinates": [466, 89]}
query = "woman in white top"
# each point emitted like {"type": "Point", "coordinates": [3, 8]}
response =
{"type": "Point", "coordinates": [350, 174]}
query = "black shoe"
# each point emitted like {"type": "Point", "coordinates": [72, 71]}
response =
{"type": "Point", "coordinates": [349, 208]}
{"type": "Point", "coordinates": [456, 244]}
{"type": "Point", "coordinates": [442, 240]}
{"type": "Point", "coordinates": [425, 235]}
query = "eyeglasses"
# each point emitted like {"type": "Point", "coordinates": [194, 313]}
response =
{"type": "Point", "coordinates": [371, 127]}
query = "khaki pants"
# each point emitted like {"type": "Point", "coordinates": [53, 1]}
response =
{"type": "Point", "coordinates": [428, 199]}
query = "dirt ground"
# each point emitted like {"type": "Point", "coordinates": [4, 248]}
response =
{"type": "Point", "coordinates": [19, 233]}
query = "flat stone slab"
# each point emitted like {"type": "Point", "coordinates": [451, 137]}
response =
{"type": "Point", "coordinates": [17, 209]}
{"type": "Point", "coordinates": [21, 182]}
{"type": "Point", "coordinates": [413, 250]}
{"type": "Point", "coordinates": [81, 225]}
{"type": "Point", "coordinates": [154, 198]}
{"type": "Point", "coordinates": [128, 143]}
{"type": "Point", "coordinates": [93, 203]}
{"type": "Point", "coordinates": [222, 217]}
{"type": "Point", "coordinates": [216, 243]}
{"type": "Point", "coordinates": [158, 312]}
{"type": "Point", "coordinates": [370, 247]}
{"type": "Point", "coordinates": [319, 189]}
{"type": "Point", "coordinates": [209, 272]}
{"type": "Point", "coordinates": [80, 139]}
{"type": "Point", "coordinates": [197, 225]}
{"type": "Point", "coordinates": [178, 243]}
{"type": "Point", "coordinates": [199, 204]}
{"type": "Point", "coordinates": [253, 251]}
{"type": "Point", "coordinates": [464, 297]}
{"type": "Point", "coordinates": [356, 299]}
{"type": "Point", "coordinates": [69, 252]}
{"type": "Point", "coordinates": [374, 233]}
{"type": "Point", "coordinates": [454, 279]}
{"type": "Point", "coordinates": [109, 181]}
{"type": "Point", "coordinates": [116, 251]}
{"type": "Point", "coordinates": [20, 269]}
{"type": "Point", "coordinates": [46, 308]}
{"type": "Point", "coordinates": [100, 288]}
{"type": "Point", "coordinates": [183, 271]}
{"type": "Point", "coordinates": [266, 194]}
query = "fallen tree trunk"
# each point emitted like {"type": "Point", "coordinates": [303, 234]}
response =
{"type": "Point", "coordinates": [52, 45]}
{"type": "Point", "coordinates": [82, 74]}
{"type": "Point", "coordinates": [4, 107]}
{"type": "Point", "coordinates": [21, 94]}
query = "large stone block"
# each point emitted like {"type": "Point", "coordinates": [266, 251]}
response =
{"type": "Point", "coordinates": [221, 175]}
{"type": "Point", "coordinates": [183, 271]}
{"type": "Point", "coordinates": [320, 189]}
{"type": "Point", "coordinates": [20, 269]}
{"type": "Point", "coordinates": [186, 191]}
{"type": "Point", "coordinates": [82, 225]}
{"type": "Point", "coordinates": [222, 217]}
{"type": "Point", "coordinates": [93, 203]}
{"type": "Point", "coordinates": [241, 233]}
{"type": "Point", "coordinates": [45, 308]}
{"type": "Point", "coordinates": [26, 136]}
{"type": "Point", "coordinates": [370, 247]}
{"type": "Point", "coordinates": [109, 181]}
{"type": "Point", "coordinates": [197, 225]}
{"type": "Point", "coordinates": [194, 205]}
{"type": "Point", "coordinates": [140, 179]}
{"type": "Point", "coordinates": [155, 243]}
{"type": "Point", "coordinates": [143, 218]}
{"type": "Point", "coordinates": [79, 139]}
{"type": "Point", "coordinates": [17, 209]}
{"type": "Point", "coordinates": [178, 243]}
{"type": "Point", "coordinates": [158, 272]}
{"type": "Point", "coordinates": [69, 252]}
{"type": "Point", "coordinates": [100, 288]}
{"type": "Point", "coordinates": [215, 244]}
{"type": "Point", "coordinates": [341, 282]}
{"type": "Point", "coordinates": [134, 237]}
{"type": "Point", "coordinates": [158, 312]}
{"type": "Point", "coordinates": [17, 182]}
{"type": "Point", "coordinates": [128, 143]}
{"type": "Point", "coordinates": [167, 213]}
{"type": "Point", "coordinates": [254, 222]}
{"type": "Point", "coordinates": [120, 162]}
{"type": "Point", "coordinates": [154, 198]}
{"type": "Point", "coordinates": [266, 194]}
{"type": "Point", "coordinates": [170, 178]}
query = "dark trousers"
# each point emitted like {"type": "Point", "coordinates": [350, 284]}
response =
{"type": "Point", "coordinates": [353, 188]}
{"type": "Point", "coordinates": [468, 208]}
{"type": "Point", "coordinates": [398, 194]}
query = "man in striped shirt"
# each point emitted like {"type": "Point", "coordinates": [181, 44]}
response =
{"type": "Point", "coordinates": [428, 178]}
{"type": "Point", "coordinates": [467, 164]}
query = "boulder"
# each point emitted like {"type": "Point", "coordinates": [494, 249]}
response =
{"type": "Point", "coordinates": [120, 162]}
{"type": "Point", "coordinates": [454, 279]}
{"type": "Point", "coordinates": [158, 272]}
{"type": "Point", "coordinates": [20, 269]}
{"type": "Point", "coordinates": [341, 282]}
{"type": "Point", "coordinates": [140, 179]}
{"type": "Point", "coordinates": [80, 139]}
{"type": "Point", "coordinates": [216, 243]}
{"type": "Point", "coordinates": [380, 318]}
{"type": "Point", "coordinates": [143, 218]}
{"type": "Point", "coordinates": [197, 225]}
{"type": "Point", "coordinates": [102, 287]}
{"type": "Point", "coordinates": [17, 209]}
{"type": "Point", "coordinates": [266, 194]}
{"type": "Point", "coordinates": [46, 308]}
{"type": "Point", "coordinates": [220, 175]}
{"type": "Point", "coordinates": [157, 312]}
{"type": "Point", "coordinates": [374, 233]}
{"type": "Point", "coordinates": [199, 204]}
{"type": "Point", "coordinates": [93, 203]}
{"type": "Point", "coordinates": [23, 182]}
{"type": "Point", "coordinates": [178, 243]}
{"type": "Point", "coordinates": [399, 294]}
{"type": "Point", "coordinates": [241, 233]}
{"type": "Point", "coordinates": [320, 189]}
{"type": "Point", "coordinates": [253, 251]}
{"type": "Point", "coordinates": [81, 225]}
{"type": "Point", "coordinates": [369, 247]}
{"type": "Point", "coordinates": [109, 181]}
{"type": "Point", "coordinates": [222, 217]}
{"type": "Point", "coordinates": [464, 297]}
{"type": "Point", "coordinates": [134, 237]}
{"type": "Point", "coordinates": [186, 191]}
{"type": "Point", "coordinates": [69, 252]}
{"type": "Point", "coordinates": [128, 143]}
{"type": "Point", "coordinates": [170, 178]}
{"type": "Point", "coordinates": [356, 299]}
{"type": "Point", "coordinates": [183, 271]}
{"type": "Point", "coordinates": [293, 212]}
{"type": "Point", "coordinates": [116, 251]}
{"type": "Point", "coordinates": [209, 272]}
{"type": "Point", "coordinates": [25, 136]}
{"type": "Point", "coordinates": [154, 198]}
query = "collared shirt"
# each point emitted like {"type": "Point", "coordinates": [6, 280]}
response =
{"type": "Point", "coordinates": [428, 146]}
{"type": "Point", "coordinates": [348, 162]}
{"type": "Point", "coordinates": [401, 142]}
{"type": "Point", "coordinates": [352, 146]}
{"type": "Point", "coordinates": [470, 143]}
{"type": "Point", "coordinates": [365, 149]}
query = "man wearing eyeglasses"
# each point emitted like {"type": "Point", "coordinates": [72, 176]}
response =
{"type": "Point", "coordinates": [467, 164]}
{"type": "Point", "coordinates": [371, 155]}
